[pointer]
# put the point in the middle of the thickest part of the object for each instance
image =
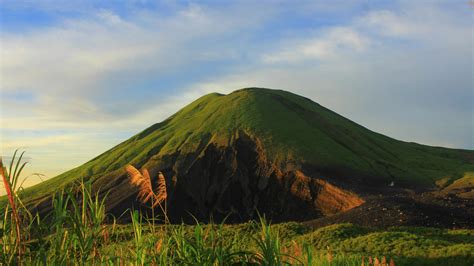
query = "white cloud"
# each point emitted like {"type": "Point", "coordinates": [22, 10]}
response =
{"type": "Point", "coordinates": [37, 142]}
{"type": "Point", "coordinates": [331, 43]}
{"type": "Point", "coordinates": [67, 66]}
{"type": "Point", "coordinates": [387, 23]}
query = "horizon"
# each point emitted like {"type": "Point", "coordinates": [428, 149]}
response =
{"type": "Point", "coordinates": [80, 78]}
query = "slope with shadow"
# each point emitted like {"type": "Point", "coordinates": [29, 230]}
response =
{"type": "Point", "coordinates": [260, 149]}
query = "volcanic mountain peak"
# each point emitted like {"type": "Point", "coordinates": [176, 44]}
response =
{"type": "Point", "coordinates": [223, 153]}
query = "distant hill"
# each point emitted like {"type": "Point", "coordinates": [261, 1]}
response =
{"type": "Point", "coordinates": [264, 149]}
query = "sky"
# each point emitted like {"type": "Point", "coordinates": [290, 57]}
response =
{"type": "Point", "coordinates": [79, 77]}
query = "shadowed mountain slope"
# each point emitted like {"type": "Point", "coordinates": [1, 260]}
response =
{"type": "Point", "coordinates": [270, 150]}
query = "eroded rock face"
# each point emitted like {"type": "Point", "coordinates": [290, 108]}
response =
{"type": "Point", "coordinates": [237, 182]}
{"type": "Point", "coordinates": [328, 199]}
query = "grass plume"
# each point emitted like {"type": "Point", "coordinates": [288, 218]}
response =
{"type": "Point", "coordinates": [145, 188]}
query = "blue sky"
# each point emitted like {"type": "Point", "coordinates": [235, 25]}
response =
{"type": "Point", "coordinates": [78, 77]}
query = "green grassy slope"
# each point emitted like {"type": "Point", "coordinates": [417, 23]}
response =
{"type": "Point", "coordinates": [291, 128]}
{"type": "Point", "coordinates": [406, 245]}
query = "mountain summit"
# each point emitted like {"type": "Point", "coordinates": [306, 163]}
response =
{"type": "Point", "coordinates": [261, 149]}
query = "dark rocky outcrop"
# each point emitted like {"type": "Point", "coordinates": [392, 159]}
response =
{"type": "Point", "coordinates": [236, 183]}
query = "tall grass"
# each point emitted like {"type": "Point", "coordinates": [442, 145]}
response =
{"type": "Point", "coordinates": [84, 220]}
{"type": "Point", "coordinates": [269, 248]}
{"type": "Point", "coordinates": [70, 233]}
{"type": "Point", "coordinates": [204, 245]}
{"type": "Point", "coordinates": [12, 224]}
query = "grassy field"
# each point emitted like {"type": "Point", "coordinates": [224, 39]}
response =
{"type": "Point", "coordinates": [65, 241]}
{"type": "Point", "coordinates": [340, 244]}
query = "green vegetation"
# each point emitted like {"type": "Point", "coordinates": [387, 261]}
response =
{"type": "Point", "coordinates": [291, 129]}
{"type": "Point", "coordinates": [78, 232]}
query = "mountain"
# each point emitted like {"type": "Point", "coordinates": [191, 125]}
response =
{"type": "Point", "coordinates": [267, 150]}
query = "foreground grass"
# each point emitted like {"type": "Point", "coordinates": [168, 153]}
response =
{"type": "Point", "coordinates": [340, 244]}
{"type": "Point", "coordinates": [140, 243]}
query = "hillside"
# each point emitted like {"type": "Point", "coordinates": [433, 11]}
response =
{"type": "Point", "coordinates": [270, 150]}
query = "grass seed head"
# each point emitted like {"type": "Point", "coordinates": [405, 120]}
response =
{"type": "Point", "coordinates": [144, 184]}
